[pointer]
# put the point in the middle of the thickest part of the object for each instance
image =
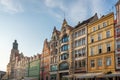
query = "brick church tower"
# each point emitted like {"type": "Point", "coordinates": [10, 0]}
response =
{"type": "Point", "coordinates": [11, 64]}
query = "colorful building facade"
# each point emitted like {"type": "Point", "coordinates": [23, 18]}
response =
{"type": "Point", "coordinates": [101, 42]}
{"type": "Point", "coordinates": [117, 36]}
{"type": "Point", "coordinates": [34, 67]}
{"type": "Point", "coordinates": [79, 46]}
{"type": "Point", "coordinates": [65, 60]}
{"type": "Point", "coordinates": [45, 61]}
{"type": "Point", "coordinates": [54, 54]}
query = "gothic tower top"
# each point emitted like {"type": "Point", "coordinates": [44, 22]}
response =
{"type": "Point", "coordinates": [64, 22]}
{"type": "Point", "coordinates": [15, 45]}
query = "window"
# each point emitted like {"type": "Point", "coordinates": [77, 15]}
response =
{"type": "Point", "coordinates": [76, 43]}
{"type": "Point", "coordinates": [56, 51]}
{"type": "Point", "coordinates": [76, 34]}
{"type": "Point", "coordinates": [118, 30]}
{"type": "Point", "coordinates": [83, 31]}
{"type": "Point", "coordinates": [79, 52]}
{"type": "Point", "coordinates": [83, 52]}
{"type": "Point", "coordinates": [99, 62]}
{"type": "Point", "coordinates": [79, 32]}
{"type": "Point", "coordinates": [79, 42]}
{"type": "Point", "coordinates": [92, 52]}
{"type": "Point", "coordinates": [99, 36]}
{"type": "Point", "coordinates": [79, 62]}
{"type": "Point", "coordinates": [83, 63]}
{"type": "Point", "coordinates": [92, 39]}
{"type": "Point", "coordinates": [108, 61]}
{"type": "Point", "coordinates": [118, 60]}
{"type": "Point", "coordinates": [76, 53]}
{"type": "Point", "coordinates": [53, 68]}
{"type": "Point", "coordinates": [65, 39]}
{"type": "Point", "coordinates": [107, 34]}
{"type": "Point", "coordinates": [64, 66]}
{"type": "Point", "coordinates": [108, 47]}
{"type": "Point", "coordinates": [64, 48]}
{"type": "Point", "coordinates": [75, 64]}
{"type": "Point", "coordinates": [104, 24]}
{"type": "Point", "coordinates": [94, 29]}
{"type": "Point", "coordinates": [83, 41]}
{"type": "Point", "coordinates": [99, 49]}
{"type": "Point", "coordinates": [92, 63]}
{"type": "Point", "coordinates": [98, 27]}
{"type": "Point", "coordinates": [118, 44]}
{"type": "Point", "coordinates": [64, 56]}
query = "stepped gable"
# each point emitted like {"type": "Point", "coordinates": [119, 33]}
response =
{"type": "Point", "coordinates": [56, 31]}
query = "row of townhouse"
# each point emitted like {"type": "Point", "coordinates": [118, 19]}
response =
{"type": "Point", "coordinates": [22, 67]}
{"type": "Point", "coordinates": [90, 50]}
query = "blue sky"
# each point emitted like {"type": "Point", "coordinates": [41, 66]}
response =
{"type": "Point", "coordinates": [31, 21]}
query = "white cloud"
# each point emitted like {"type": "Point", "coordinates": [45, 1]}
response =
{"type": "Point", "coordinates": [77, 10]}
{"type": "Point", "coordinates": [55, 4]}
{"type": "Point", "coordinates": [12, 6]}
{"type": "Point", "coordinates": [97, 7]}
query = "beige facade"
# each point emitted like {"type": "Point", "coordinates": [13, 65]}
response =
{"type": "Point", "coordinates": [101, 51]}
{"type": "Point", "coordinates": [54, 54]}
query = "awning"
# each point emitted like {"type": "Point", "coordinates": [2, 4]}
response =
{"type": "Point", "coordinates": [5, 76]}
{"type": "Point", "coordinates": [115, 74]}
{"type": "Point", "coordinates": [68, 76]}
{"type": "Point", "coordinates": [30, 78]}
{"type": "Point", "coordinates": [87, 75]}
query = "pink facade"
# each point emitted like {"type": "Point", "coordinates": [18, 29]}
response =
{"type": "Point", "coordinates": [117, 36]}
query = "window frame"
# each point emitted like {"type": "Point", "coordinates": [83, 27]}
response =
{"type": "Point", "coordinates": [108, 61]}
{"type": "Point", "coordinates": [108, 34]}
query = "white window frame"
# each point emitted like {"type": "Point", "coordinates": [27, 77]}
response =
{"type": "Point", "coordinates": [92, 38]}
{"type": "Point", "coordinates": [104, 24]}
{"type": "Point", "coordinates": [108, 35]}
{"type": "Point", "coordinates": [99, 27]}
{"type": "Point", "coordinates": [99, 47]}
{"type": "Point", "coordinates": [108, 61]}
{"type": "Point", "coordinates": [92, 62]}
{"type": "Point", "coordinates": [99, 62]}
{"type": "Point", "coordinates": [118, 43]}
{"type": "Point", "coordinates": [91, 51]}
{"type": "Point", "coordinates": [99, 36]}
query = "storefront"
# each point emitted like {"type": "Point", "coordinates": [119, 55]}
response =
{"type": "Point", "coordinates": [53, 77]}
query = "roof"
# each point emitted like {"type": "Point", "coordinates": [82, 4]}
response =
{"type": "Point", "coordinates": [90, 20]}
{"type": "Point", "coordinates": [117, 3]}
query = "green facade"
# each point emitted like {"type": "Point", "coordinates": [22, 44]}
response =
{"type": "Point", "coordinates": [27, 70]}
{"type": "Point", "coordinates": [34, 69]}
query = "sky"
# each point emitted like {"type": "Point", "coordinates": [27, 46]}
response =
{"type": "Point", "coordinates": [30, 22]}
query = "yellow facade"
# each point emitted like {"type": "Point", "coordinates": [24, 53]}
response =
{"type": "Point", "coordinates": [101, 49]}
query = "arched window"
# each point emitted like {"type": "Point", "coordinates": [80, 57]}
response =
{"type": "Point", "coordinates": [64, 56]}
{"type": "Point", "coordinates": [64, 47]}
{"type": "Point", "coordinates": [54, 68]}
{"type": "Point", "coordinates": [64, 66]}
{"type": "Point", "coordinates": [65, 38]}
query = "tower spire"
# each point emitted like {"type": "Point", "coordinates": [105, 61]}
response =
{"type": "Point", "coordinates": [64, 22]}
{"type": "Point", "coordinates": [15, 45]}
